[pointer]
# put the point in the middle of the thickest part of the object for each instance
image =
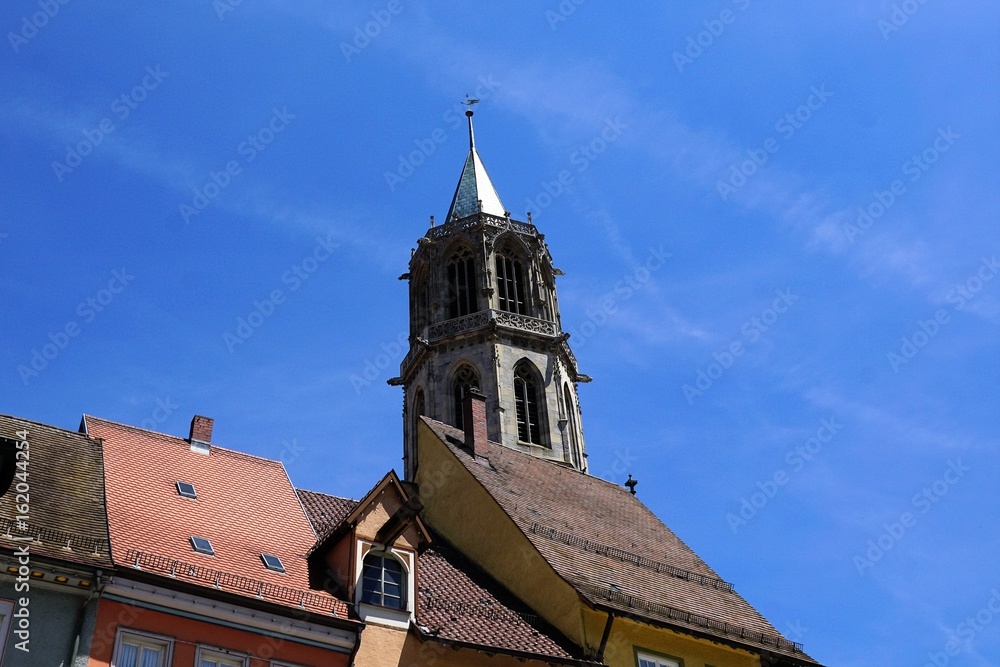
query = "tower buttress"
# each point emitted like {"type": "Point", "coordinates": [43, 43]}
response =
{"type": "Point", "coordinates": [484, 314]}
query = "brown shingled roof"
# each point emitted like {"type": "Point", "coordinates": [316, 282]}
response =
{"type": "Point", "coordinates": [610, 547]}
{"type": "Point", "coordinates": [326, 512]}
{"type": "Point", "coordinates": [245, 506]}
{"type": "Point", "coordinates": [66, 489]}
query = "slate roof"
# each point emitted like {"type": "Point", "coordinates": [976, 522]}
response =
{"type": "Point", "coordinates": [474, 186]}
{"type": "Point", "coordinates": [457, 602]}
{"type": "Point", "coordinates": [613, 549]}
{"type": "Point", "coordinates": [246, 506]}
{"type": "Point", "coordinates": [66, 495]}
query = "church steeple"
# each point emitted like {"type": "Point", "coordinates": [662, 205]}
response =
{"type": "Point", "coordinates": [484, 314]}
{"type": "Point", "coordinates": [474, 186]}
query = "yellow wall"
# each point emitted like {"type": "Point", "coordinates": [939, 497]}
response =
{"type": "Point", "coordinates": [626, 635]}
{"type": "Point", "coordinates": [461, 510]}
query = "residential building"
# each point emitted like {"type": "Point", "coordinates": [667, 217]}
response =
{"type": "Point", "coordinates": [54, 549]}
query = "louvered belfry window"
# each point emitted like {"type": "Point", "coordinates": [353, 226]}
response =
{"type": "Point", "coordinates": [511, 292]}
{"type": "Point", "coordinates": [526, 405]}
{"type": "Point", "coordinates": [461, 283]}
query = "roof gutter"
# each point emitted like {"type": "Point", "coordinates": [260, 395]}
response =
{"type": "Point", "coordinates": [778, 658]}
{"type": "Point", "coordinates": [493, 650]}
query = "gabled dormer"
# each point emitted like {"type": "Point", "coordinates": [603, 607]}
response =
{"type": "Point", "coordinates": [370, 557]}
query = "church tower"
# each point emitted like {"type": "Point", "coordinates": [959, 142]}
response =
{"type": "Point", "coordinates": [484, 314]}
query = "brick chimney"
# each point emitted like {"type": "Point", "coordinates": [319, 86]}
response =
{"type": "Point", "coordinates": [474, 419]}
{"type": "Point", "coordinates": [201, 434]}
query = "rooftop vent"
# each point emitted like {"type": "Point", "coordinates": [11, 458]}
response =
{"type": "Point", "coordinates": [630, 483]}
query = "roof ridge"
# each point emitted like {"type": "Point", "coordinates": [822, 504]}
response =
{"type": "Point", "coordinates": [49, 426]}
{"type": "Point", "coordinates": [328, 495]}
{"type": "Point", "coordinates": [215, 447]}
{"type": "Point", "coordinates": [559, 466]}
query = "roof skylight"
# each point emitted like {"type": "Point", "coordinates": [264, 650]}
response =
{"type": "Point", "coordinates": [202, 545]}
{"type": "Point", "coordinates": [272, 562]}
{"type": "Point", "coordinates": [186, 489]}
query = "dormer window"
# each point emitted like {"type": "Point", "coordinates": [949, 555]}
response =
{"type": "Point", "coordinates": [187, 490]}
{"type": "Point", "coordinates": [383, 581]}
{"type": "Point", "coordinates": [202, 546]}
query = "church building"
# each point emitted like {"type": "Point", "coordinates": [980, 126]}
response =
{"type": "Point", "coordinates": [494, 547]}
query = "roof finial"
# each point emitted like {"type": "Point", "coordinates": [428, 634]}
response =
{"type": "Point", "coordinates": [468, 113]}
{"type": "Point", "coordinates": [630, 483]}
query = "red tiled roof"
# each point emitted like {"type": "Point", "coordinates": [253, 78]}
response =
{"type": "Point", "coordinates": [612, 548]}
{"type": "Point", "coordinates": [456, 601]}
{"type": "Point", "coordinates": [246, 506]}
{"type": "Point", "coordinates": [66, 495]}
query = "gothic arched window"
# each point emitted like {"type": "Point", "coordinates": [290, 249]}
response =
{"type": "Point", "coordinates": [574, 442]}
{"type": "Point", "coordinates": [383, 581]}
{"type": "Point", "coordinates": [511, 293]}
{"type": "Point", "coordinates": [420, 303]}
{"type": "Point", "coordinates": [461, 283]}
{"type": "Point", "coordinates": [465, 379]}
{"type": "Point", "coordinates": [418, 409]}
{"type": "Point", "coordinates": [526, 404]}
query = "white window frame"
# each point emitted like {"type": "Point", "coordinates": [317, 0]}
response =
{"type": "Point", "coordinates": [220, 655]}
{"type": "Point", "coordinates": [147, 638]}
{"type": "Point", "coordinates": [657, 659]}
{"type": "Point", "coordinates": [399, 618]}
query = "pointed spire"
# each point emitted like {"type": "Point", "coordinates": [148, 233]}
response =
{"type": "Point", "coordinates": [472, 135]}
{"type": "Point", "coordinates": [475, 188]}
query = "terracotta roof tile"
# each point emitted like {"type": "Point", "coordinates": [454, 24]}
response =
{"type": "Point", "coordinates": [459, 602]}
{"type": "Point", "coordinates": [245, 506]}
{"type": "Point", "coordinates": [66, 495]}
{"type": "Point", "coordinates": [612, 548]}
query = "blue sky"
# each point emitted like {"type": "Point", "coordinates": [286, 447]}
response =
{"type": "Point", "coordinates": [805, 387]}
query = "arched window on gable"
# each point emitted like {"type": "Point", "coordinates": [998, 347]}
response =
{"type": "Point", "coordinates": [462, 298]}
{"type": "Point", "coordinates": [527, 404]}
{"type": "Point", "coordinates": [383, 581]}
{"type": "Point", "coordinates": [512, 295]}
{"type": "Point", "coordinates": [465, 378]}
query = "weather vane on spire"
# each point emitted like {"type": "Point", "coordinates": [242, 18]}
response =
{"type": "Point", "coordinates": [469, 101]}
